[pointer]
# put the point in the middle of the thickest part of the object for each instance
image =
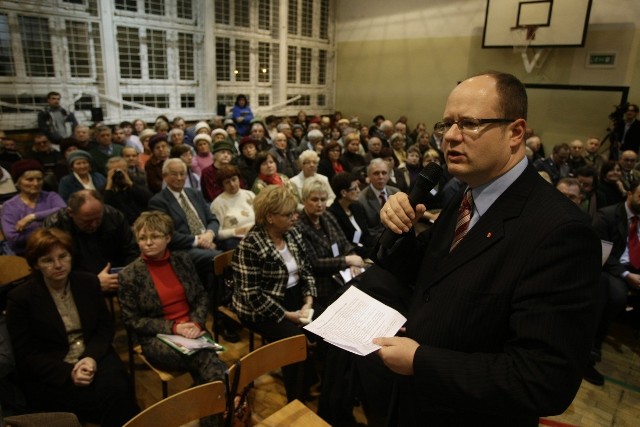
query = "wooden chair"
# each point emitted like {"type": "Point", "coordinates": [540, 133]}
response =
{"type": "Point", "coordinates": [136, 350]}
{"type": "Point", "coordinates": [14, 270]}
{"type": "Point", "coordinates": [220, 263]}
{"type": "Point", "coordinates": [181, 408]}
{"type": "Point", "coordinates": [268, 358]}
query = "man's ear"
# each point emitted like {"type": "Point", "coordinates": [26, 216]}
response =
{"type": "Point", "coordinates": [517, 131]}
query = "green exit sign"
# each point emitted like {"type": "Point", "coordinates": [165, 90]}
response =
{"type": "Point", "coordinates": [601, 60]}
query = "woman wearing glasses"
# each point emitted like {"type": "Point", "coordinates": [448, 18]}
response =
{"type": "Point", "coordinates": [61, 332]}
{"type": "Point", "coordinates": [350, 214]}
{"type": "Point", "coordinates": [160, 293]}
{"type": "Point", "coordinates": [274, 285]}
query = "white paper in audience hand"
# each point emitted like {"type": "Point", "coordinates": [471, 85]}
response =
{"type": "Point", "coordinates": [335, 250]}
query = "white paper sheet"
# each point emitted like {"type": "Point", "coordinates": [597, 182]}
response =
{"type": "Point", "coordinates": [354, 320]}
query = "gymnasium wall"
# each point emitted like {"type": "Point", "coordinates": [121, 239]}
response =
{"type": "Point", "coordinates": [403, 58]}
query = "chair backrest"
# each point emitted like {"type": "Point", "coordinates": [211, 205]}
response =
{"type": "Point", "coordinates": [13, 268]}
{"type": "Point", "coordinates": [269, 358]}
{"type": "Point", "coordinates": [222, 261]}
{"type": "Point", "coordinates": [181, 408]}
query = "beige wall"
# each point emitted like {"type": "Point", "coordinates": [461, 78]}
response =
{"type": "Point", "coordinates": [411, 73]}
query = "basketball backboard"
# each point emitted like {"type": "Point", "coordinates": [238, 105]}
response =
{"type": "Point", "coordinates": [557, 23]}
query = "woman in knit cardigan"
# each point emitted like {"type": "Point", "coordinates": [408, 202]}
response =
{"type": "Point", "coordinates": [161, 293]}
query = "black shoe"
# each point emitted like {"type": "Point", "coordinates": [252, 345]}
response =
{"type": "Point", "coordinates": [592, 375]}
{"type": "Point", "coordinates": [230, 335]}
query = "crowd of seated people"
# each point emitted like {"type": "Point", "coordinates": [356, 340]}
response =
{"type": "Point", "coordinates": [298, 199]}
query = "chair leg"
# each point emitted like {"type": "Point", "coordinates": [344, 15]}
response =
{"type": "Point", "coordinates": [132, 363]}
{"type": "Point", "coordinates": [165, 389]}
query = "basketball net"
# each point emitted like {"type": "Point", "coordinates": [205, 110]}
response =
{"type": "Point", "coordinates": [522, 37]}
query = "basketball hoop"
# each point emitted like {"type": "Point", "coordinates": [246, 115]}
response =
{"type": "Point", "coordinates": [522, 37]}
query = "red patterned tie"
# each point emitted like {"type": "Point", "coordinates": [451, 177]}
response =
{"type": "Point", "coordinates": [464, 216]}
{"type": "Point", "coordinates": [383, 198]}
{"type": "Point", "coordinates": [634, 244]}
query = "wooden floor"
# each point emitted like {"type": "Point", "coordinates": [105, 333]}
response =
{"type": "Point", "coordinates": [617, 403]}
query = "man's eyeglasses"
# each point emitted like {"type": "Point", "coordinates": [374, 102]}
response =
{"type": "Point", "coordinates": [467, 124]}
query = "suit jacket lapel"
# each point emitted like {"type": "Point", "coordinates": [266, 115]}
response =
{"type": "Point", "coordinates": [49, 310]}
{"type": "Point", "coordinates": [485, 233]}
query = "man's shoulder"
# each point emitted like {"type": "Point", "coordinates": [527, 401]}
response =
{"type": "Point", "coordinates": [392, 190]}
{"type": "Point", "coordinates": [160, 197]}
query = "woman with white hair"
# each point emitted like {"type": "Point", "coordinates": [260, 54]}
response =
{"type": "Point", "coordinates": [309, 169]}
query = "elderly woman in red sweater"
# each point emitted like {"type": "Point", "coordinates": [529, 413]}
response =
{"type": "Point", "coordinates": [160, 293]}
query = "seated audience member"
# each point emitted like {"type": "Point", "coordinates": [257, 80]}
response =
{"type": "Point", "coordinates": [7, 186]}
{"type": "Point", "coordinates": [43, 151]}
{"type": "Point", "coordinates": [232, 131]}
{"type": "Point", "coordinates": [246, 160]}
{"type": "Point", "coordinates": [350, 214]}
{"type": "Point", "coordinates": [161, 294]}
{"type": "Point", "coordinates": [273, 280]}
{"type": "Point", "coordinates": [328, 249]}
{"type": "Point", "coordinates": [309, 167]}
{"type": "Point", "coordinates": [351, 157]}
{"type": "Point", "coordinates": [576, 156]}
{"type": "Point", "coordinates": [222, 155]}
{"type": "Point", "coordinates": [233, 208]}
{"type": "Point", "coordinates": [570, 187]}
{"type": "Point", "coordinates": [629, 175]}
{"type": "Point", "coordinates": [176, 137]}
{"type": "Point", "coordinates": [618, 224]}
{"type": "Point", "coordinates": [24, 213]}
{"type": "Point", "coordinates": [82, 136]}
{"type": "Point", "coordinates": [398, 142]}
{"type": "Point", "coordinates": [102, 238]}
{"type": "Point", "coordinates": [591, 154]}
{"type": "Point", "coordinates": [330, 163]}
{"type": "Point", "coordinates": [122, 193]}
{"type": "Point", "coordinates": [374, 146]}
{"type": "Point", "coordinates": [314, 142]}
{"type": "Point", "coordinates": [183, 152]}
{"type": "Point", "coordinates": [9, 154]}
{"type": "Point", "coordinates": [138, 127]}
{"type": "Point", "coordinates": [610, 187]}
{"type": "Point", "coordinates": [412, 166]}
{"type": "Point", "coordinates": [62, 336]}
{"type": "Point", "coordinates": [267, 169]}
{"type": "Point", "coordinates": [259, 133]}
{"type": "Point", "coordinates": [61, 169]}
{"type": "Point", "coordinates": [556, 165]}
{"type": "Point", "coordinates": [285, 158]}
{"type": "Point", "coordinates": [375, 195]}
{"type": "Point", "coordinates": [203, 158]}
{"type": "Point", "coordinates": [396, 178]}
{"type": "Point", "coordinates": [104, 148]}
{"type": "Point", "coordinates": [145, 136]}
{"type": "Point", "coordinates": [587, 176]}
{"type": "Point", "coordinates": [131, 140]}
{"type": "Point", "coordinates": [153, 168]}
{"type": "Point", "coordinates": [195, 226]}
{"type": "Point", "coordinates": [135, 171]}
{"type": "Point", "coordinates": [81, 176]}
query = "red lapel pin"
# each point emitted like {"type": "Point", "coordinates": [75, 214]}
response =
{"type": "Point", "coordinates": [489, 234]}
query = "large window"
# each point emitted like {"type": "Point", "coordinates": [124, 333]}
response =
{"type": "Point", "coordinates": [129, 53]}
{"type": "Point", "coordinates": [6, 57]}
{"type": "Point", "coordinates": [36, 46]}
{"type": "Point", "coordinates": [152, 54]}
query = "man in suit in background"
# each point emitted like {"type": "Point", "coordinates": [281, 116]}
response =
{"type": "Point", "coordinates": [629, 135]}
{"type": "Point", "coordinates": [376, 194]}
{"type": "Point", "coordinates": [502, 308]}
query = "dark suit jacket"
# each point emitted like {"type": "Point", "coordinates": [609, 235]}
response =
{"type": "Point", "coordinates": [38, 335]}
{"type": "Point", "coordinates": [611, 224]}
{"type": "Point", "coordinates": [505, 321]}
{"type": "Point", "coordinates": [632, 139]}
{"type": "Point", "coordinates": [182, 238]}
{"type": "Point", "coordinates": [360, 216]}
{"type": "Point", "coordinates": [371, 205]}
